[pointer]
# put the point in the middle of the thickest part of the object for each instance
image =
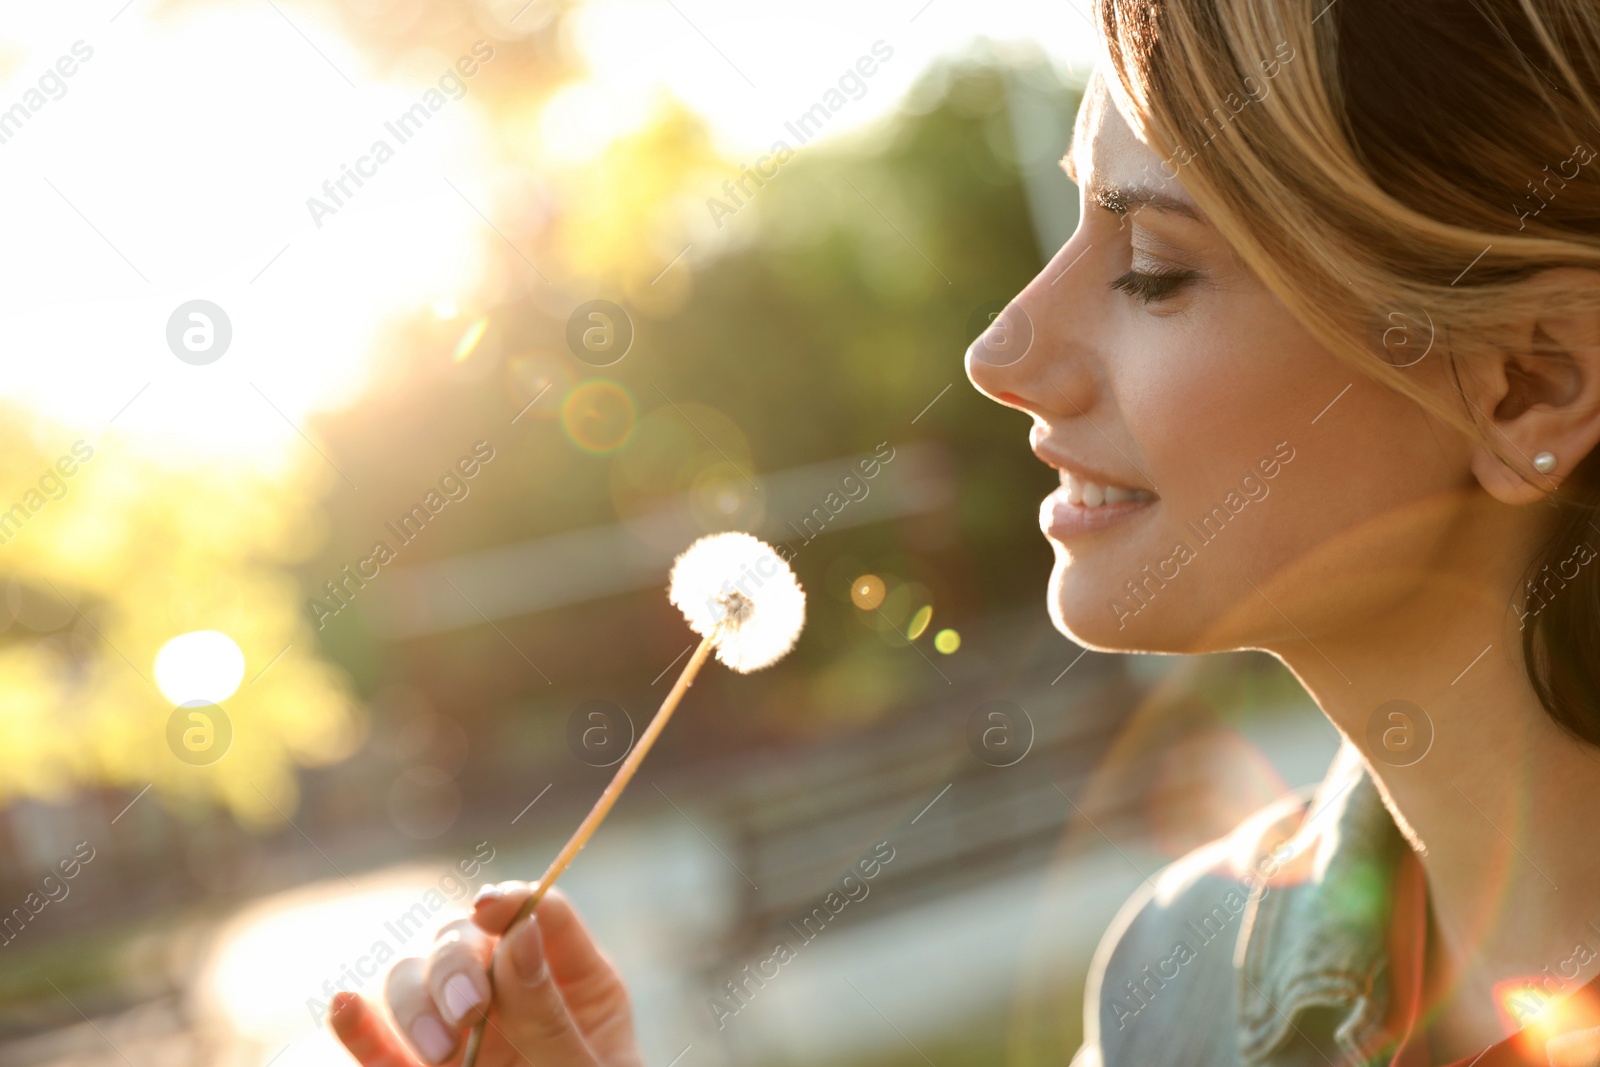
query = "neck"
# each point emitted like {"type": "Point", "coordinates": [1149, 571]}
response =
{"type": "Point", "coordinates": [1500, 806]}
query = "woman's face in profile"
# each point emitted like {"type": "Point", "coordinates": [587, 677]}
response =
{"type": "Point", "coordinates": [1251, 485]}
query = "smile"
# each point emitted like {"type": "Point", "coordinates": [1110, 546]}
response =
{"type": "Point", "coordinates": [1080, 492]}
{"type": "Point", "coordinates": [1062, 517]}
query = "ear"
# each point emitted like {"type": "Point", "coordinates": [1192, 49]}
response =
{"type": "Point", "coordinates": [1541, 389]}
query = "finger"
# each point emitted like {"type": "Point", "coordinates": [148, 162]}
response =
{"type": "Point", "coordinates": [496, 905]}
{"type": "Point", "coordinates": [589, 982]}
{"type": "Point", "coordinates": [458, 972]}
{"type": "Point", "coordinates": [366, 1036]}
{"type": "Point", "coordinates": [1578, 1049]}
{"type": "Point", "coordinates": [414, 1011]}
{"type": "Point", "coordinates": [529, 1012]}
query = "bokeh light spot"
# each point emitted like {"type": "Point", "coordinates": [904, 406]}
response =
{"type": "Point", "coordinates": [722, 497]}
{"type": "Point", "coordinates": [202, 665]}
{"type": "Point", "coordinates": [535, 383]}
{"type": "Point", "coordinates": [598, 415]}
{"type": "Point", "coordinates": [424, 802]}
{"type": "Point", "coordinates": [867, 592]}
{"type": "Point", "coordinates": [947, 641]}
{"type": "Point", "coordinates": [469, 339]}
{"type": "Point", "coordinates": [919, 622]}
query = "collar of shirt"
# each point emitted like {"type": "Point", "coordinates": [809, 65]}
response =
{"type": "Point", "coordinates": [1317, 927]}
{"type": "Point", "coordinates": [1337, 921]}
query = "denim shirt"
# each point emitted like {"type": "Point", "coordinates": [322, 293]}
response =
{"type": "Point", "coordinates": [1267, 948]}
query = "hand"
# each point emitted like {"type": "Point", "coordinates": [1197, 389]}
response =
{"type": "Point", "coordinates": [1578, 1049]}
{"type": "Point", "coordinates": [558, 1001]}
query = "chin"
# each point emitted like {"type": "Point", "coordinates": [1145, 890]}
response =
{"type": "Point", "coordinates": [1081, 611]}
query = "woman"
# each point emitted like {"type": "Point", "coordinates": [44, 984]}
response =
{"type": "Point", "coordinates": [1320, 369]}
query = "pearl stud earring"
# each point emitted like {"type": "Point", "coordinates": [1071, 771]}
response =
{"type": "Point", "coordinates": [1544, 462]}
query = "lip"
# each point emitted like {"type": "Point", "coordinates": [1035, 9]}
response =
{"type": "Point", "coordinates": [1051, 458]}
{"type": "Point", "coordinates": [1061, 520]}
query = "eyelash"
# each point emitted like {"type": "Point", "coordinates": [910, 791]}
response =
{"type": "Point", "coordinates": [1151, 286]}
{"type": "Point", "coordinates": [1147, 286]}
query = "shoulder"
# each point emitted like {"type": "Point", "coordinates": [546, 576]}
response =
{"type": "Point", "coordinates": [1162, 987]}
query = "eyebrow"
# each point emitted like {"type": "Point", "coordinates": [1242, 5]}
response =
{"type": "Point", "coordinates": [1123, 199]}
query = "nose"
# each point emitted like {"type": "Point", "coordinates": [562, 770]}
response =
{"type": "Point", "coordinates": [1032, 355]}
{"type": "Point", "coordinates": [1006, 341]}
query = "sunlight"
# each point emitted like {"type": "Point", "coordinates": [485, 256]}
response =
{"type": "Point", "coordinates": [581, 119]}
{"type": "Point", "coordinates": [1532, 1007]}
{"type": "Point", "coordinates": [203, 665]}
{"type": "Point", "coordinates": [276, 965]}
{"type": "Point", "coordinates": [717, 56]}
{"type": "Point", "coordinates": [102, 257]}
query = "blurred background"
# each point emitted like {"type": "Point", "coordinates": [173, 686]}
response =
{"type": "Point", "coordinates": [366, 363]}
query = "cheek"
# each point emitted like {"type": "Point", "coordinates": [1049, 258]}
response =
{"type": "Point", "coordinates": [1200, 407]}
{"type": "Point", "coordinates": [1205, 402]}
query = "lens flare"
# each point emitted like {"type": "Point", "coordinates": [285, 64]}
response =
{"type": "Point", "coordinates": [598, 416]}
{"type": "Point", "coordinates": [919, 622]}
{"type": "Point", "coordinates": [867, 592]}
{"type": "Point", "coordinates": [469, 339]}
{"type": "Point", "coordinates": [1541, 1007]}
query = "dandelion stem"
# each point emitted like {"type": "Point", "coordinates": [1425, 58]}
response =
{"type": "Point", "coordinates": [602, 807]}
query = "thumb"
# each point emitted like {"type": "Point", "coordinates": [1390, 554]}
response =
{"type": "Point", "coordinates": [497, 904]}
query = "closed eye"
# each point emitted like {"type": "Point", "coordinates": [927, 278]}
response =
{"type": "Point", "coordinates": [1151, 286]}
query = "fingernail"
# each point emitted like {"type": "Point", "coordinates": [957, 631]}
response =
{"type": "Point", "coordinates": [460, 997]}
{"type": "Point", "coordinates": [432, 1040]}
{"type": "Point", "coordinates": [485, 894]}
{"type": "Point", "coordinates": [527, 950]}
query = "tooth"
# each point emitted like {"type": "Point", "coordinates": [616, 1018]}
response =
{"type": "Point", "coordinates": [1074, 490]}
{"type": "Point", "coordinates": [1093, 495]}
{"type": "Point", "coordinates": [1115, 494]}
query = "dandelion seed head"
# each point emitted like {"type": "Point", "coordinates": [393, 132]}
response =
{"type": "Point", "coordinates": [737, 587]}
{"type": "Point", "coordinates": [737, 608]}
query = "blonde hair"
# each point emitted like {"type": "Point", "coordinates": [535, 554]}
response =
{"type": "Point", "coordinates": [1397, 174]}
